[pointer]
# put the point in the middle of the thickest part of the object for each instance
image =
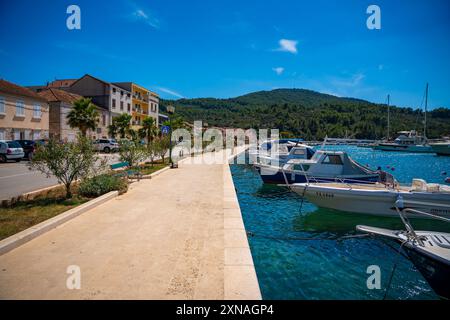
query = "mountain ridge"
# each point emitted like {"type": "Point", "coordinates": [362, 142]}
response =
{"type": "Point", "coordinates": [309, 114]}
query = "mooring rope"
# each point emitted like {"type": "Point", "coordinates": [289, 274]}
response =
{"type": "Point", "coordinates": [253, 235]}
{"type": "Point", "coordinates": [391, 276]}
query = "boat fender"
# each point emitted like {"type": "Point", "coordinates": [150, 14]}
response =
{"type": "Point", "coordinates": [447, 180]}
{"type": "Point", "coordinates": [399, 203]}
{"type": "Point", "coordinates": [393, 169]}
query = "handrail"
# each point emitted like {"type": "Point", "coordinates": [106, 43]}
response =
{"type": "Point", "coordinates": [430, 215]}
{"type": "Point", "coordinates": [411, 234]}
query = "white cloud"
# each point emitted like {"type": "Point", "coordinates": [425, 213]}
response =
{"type": "Point", "coordinates": [288, 46]}
{"type": "Point", "coordinates": [354, 81]}
{"type": "Point", "coordinates": [171, 92]}
{"type": "Point", "coordinates": [141, 15]}
{"type": "Point", "coordinates": [278, 70]}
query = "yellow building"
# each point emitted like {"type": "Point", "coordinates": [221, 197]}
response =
{"type": "Point", "coordinates": [144, 103]}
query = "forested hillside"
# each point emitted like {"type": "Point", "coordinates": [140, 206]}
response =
{"type": "Point", "coordinates": [309, 115]}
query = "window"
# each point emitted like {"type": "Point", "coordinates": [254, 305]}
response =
{"type": "Point", "coordinates": [129, 107]}
{"type": "Point", "coordinates": [2, 105]}
{"type": "Point", "coordinates": [113, 103]}
{"type": "Point", "coordinates": [299, 152]}
{"type": "Point", "coordinates": [2, 134]}
{"type": "Point", "coordinates": [99, 130]}
{"type": "Point", "coordinates": [114, 90]}
{"type": "Point", "coordinates": [36, 135]}
{"type": "Point", "coordinates": [103, 119]}
{"type": "Point", "coordinates": [37, 111]}
{"type": "Point", "coordinates": [121, 105]}
{"type": "Point", "coordinates": [20, 109]}
{"type": "Point", "coordinates": [13, 144]}
{"type": "Point", "coordinates": [332, 159]}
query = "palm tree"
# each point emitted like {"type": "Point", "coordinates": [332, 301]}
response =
{"type": "Point", "coordinates": [175, 122]}
{"type": "Point", "coordinates": [122, 123]}
{"type": "Point", "coordinates": [84, 116]}
{"type": "Point", "coordinates": [149, 129]}
{"type": "Point", "coordinates": [113, 129]}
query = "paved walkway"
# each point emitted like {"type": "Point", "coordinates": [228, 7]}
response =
{"type": "Point", "coordinates": [163, 239]}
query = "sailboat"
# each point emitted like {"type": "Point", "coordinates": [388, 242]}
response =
{"type": "Point", "coordinates": [408, 141]}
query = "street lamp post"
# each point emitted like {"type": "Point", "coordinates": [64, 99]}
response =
{"type": "Point", "coordinates": [171, 111]}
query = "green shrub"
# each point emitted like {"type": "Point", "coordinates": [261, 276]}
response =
{"type": "Point", "coordinates": [101, 184]}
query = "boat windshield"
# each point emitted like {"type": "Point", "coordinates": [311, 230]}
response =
{"type": "Point", "coordinates": [316, 157]}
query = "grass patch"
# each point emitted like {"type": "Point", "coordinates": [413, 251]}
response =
{"type": "Point", "coordinates": [23, 215]}
{"type": "Point", "coordinates": [157, 165]}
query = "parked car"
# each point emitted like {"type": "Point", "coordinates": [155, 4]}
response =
{"type": "Point", "coordinates": [10, 150]}
{"type": "Point", "coordinates": [106, 145]}
{"type": "Point", "coordinates": [28, 147]}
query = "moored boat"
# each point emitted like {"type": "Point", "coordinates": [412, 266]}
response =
{"type": "Point", "coordinates": [278, 149]}
{"type": "Point", "coordinates": [378, 198]}
{"type": "Point", "coordinates": [429, 251]}
{"type": "Point", "coordinates": [441, 148]}
{"type": "Point", "coordinates": [285, 153]}
{"type": "Point", "coordinates": [323, 166]}
{"type": "Point", "coordinates": [407, 141]}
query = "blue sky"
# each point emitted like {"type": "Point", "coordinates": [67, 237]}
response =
{"type": "Point", "coordinates": [227, 48]}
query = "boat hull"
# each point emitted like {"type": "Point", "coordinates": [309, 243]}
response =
{"type": "Point", "coordinates": [436, 272]}
{"type": "Point", "coordinates": [405, 148]}
{"type": "Point", "coordinates": [378, 202]}
{"type": "Point", "coordinates": [431, 258]}
{"type": "Point", "coordinates": [442, 149]}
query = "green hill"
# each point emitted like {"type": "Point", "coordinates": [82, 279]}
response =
{"type": "Point", "coordinates": [309, 114]}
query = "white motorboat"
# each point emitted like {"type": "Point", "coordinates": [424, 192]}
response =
{"type": "Point", "coordinates": [407, 141]}
{"type": "Point", "coordinates": [378, 198]}
{"type": "Point", "coordinates": [428, 250]}
{"type": "Point", "coordinates": [284, 154]}
{"type": "Point", "coordinates": [325, 165]}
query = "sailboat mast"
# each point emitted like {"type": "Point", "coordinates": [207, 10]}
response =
{"type": "Point", "coordinates": [389, 117]}
{"type": "Point", "coordinates": [426, 107]}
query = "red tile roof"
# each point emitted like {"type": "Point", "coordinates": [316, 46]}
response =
{"type": "Point", "coordinates": [62, 83]}
{"type": "Point", "coordinates": [52, 95]}
{"type": "Point", "coordinates": [16, 90]}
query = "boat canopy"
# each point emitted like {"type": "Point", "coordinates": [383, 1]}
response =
{"type": "Point", "coordinates": [340, 160]}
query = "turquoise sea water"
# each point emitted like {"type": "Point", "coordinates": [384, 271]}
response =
{"type": "Point", "coordinates": [298, 254]}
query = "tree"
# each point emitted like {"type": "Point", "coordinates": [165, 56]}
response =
{"type": "Point", "coordinates": [149, 129]}
{"type": "Point", "coordinates": [66, 161]}
{"type": "Point", "coordinates": [133, 134]}
{"type": "Point", "coordinates": [132, 152]}
{"type": "Point", "coordinates": [175, 122]}
{"type": "Point", "coordinates": [153, 150]}
{"type": "Point", "coordinates": [84, 116]}
{"type": "Point", "coordinates": [113, 128]}
{"type": "Point", "coordinates": [163, 144]}
{"type": "Point", "coordinates": [122, 123]}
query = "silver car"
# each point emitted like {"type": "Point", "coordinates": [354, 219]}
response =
{"type": "Point", "coordinates": [106, 145]}
{"type": "Point", "coordinates": [10, 150]}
